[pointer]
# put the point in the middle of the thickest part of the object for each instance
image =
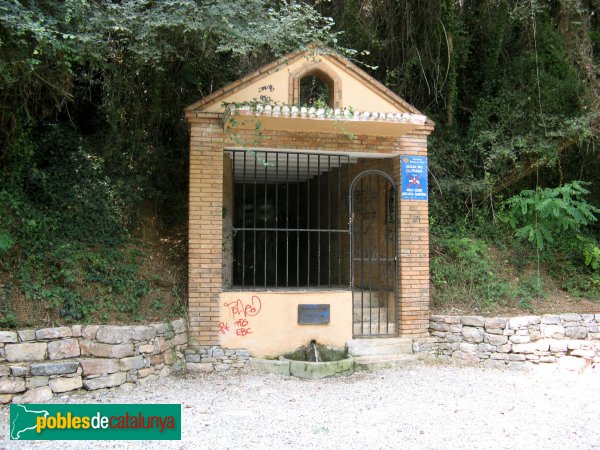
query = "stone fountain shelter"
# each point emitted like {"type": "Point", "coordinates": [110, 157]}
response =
{"type": "Point", "coordinates": [307, 222]}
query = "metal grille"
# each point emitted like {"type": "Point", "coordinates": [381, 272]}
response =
{"type": "Point", "coordinates": [290, 219]}
{"type": "Point", "coordinates": [373, 249]}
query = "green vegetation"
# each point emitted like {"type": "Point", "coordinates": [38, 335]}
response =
{"type": "Point", "coordinates": [93, 144]}
{"type": "Point", "coordinates": [545, 217]}
{"type": "Point", "coordinates": [514, 90]}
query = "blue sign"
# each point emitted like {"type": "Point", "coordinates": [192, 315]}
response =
{"type": "Point", "coordinates": [313, 314]}
{"type": "Point", "coordinates": [414, 178]}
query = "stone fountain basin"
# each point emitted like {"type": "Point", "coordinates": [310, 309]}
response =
{"type": "Point", "coordinates": [318, 370]}
{"type": "Point", "coordinates": [305, 369]}
{"type": "Point", "coordinates": [312, 361]}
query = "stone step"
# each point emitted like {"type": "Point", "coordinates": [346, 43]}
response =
{"type": "Point", "coordinates": [380, 346]}
{"type": "Point", "coordinates": [378, 362]}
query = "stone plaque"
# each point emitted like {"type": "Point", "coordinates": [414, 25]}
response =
{"type": "Point", "coordinates": [313, 314]}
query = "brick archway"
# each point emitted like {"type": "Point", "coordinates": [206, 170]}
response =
{"type": "Point", "coordinates": [316, 68]}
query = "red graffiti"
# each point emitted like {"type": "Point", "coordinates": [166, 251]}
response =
{"type": "Point", "coordinates": [241, 323]}
{"type": "Point", "coordinates": [223, 327]}
{"type": "Point", "coordinates": [246, 309]}
{"type": "Point", "coordinates": [239, 310]}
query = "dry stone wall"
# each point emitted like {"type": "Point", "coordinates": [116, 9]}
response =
{"type": "Point", "coordinates": [202, 358]}
{"type": "Point", "coordinates": [37, 364]}
{"type": "Point", "coordinates": [570, 341]}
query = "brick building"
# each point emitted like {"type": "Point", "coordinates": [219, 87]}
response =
{"type": "Point", "coordinates": [307, 222]}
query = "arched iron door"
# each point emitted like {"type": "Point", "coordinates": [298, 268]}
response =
{"type": "Point", "coordinates": [373, 250]}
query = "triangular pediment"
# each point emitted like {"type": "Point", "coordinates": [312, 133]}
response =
{"type": "Point", "coordinates": [277, 83]}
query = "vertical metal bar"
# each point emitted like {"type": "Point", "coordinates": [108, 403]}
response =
{"type": "Point", "coordinates": [244, 224]}
{"type": "Point", "coordinates": [319, 220]}
{"type": "Point", "coordinates": [370, 266]}
{"type": "Point", "coordinates": [347, 184]}
{"type": "Point", "coordinates": [387, 262]}
{"type": "Point", "coordinates": [362, 246]}
{"type": "Point", "coordinates": [254, 222]}
{"type": "Point", "coordinates": [233, 218]}
{"type": "Point", "coordinates": [351, 232]}
{"type": "Point", "coordinates": [396, 253]}
{"type": "Point", "coordinates": [339, 227]}
{"type": "Point", "coordinates": [378, 253]}
{"type": "Point", "coordinates": [233, 214]}
{"type": "Point", "coordinates": [298, 219]}
{"type": "Point", "coordinates": [329, 220]}
{"type": "Point", "coordinates": [308, 219]}
{"type": "Point", "coordinates": [287, 220]}
{"type": "Point", "coordinates": [276, 216]}
{"type": "Point", "coordinates": [265, 212]}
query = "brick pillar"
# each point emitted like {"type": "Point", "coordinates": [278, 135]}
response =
{"type": "Point", "coordinates": [413, 247]}
{"type": "Point", "coordinates": [205, 227]}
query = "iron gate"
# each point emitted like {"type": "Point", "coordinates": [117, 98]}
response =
{"type": "Point", "coordinates": [373, 203]}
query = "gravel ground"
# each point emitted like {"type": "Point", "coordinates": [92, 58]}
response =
{"type": "Point", "coordinates": [427, 406]}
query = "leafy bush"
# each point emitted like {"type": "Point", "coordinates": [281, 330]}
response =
{"type": "Point", "coordinates": [591, 254]}
{"type": "Point", "coordinates": [556, 222]}
{"type": "Point", "coordinates": [543, 216]}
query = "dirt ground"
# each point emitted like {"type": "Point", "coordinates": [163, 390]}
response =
{"type": "Point", "coordinates": [422, 407]}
